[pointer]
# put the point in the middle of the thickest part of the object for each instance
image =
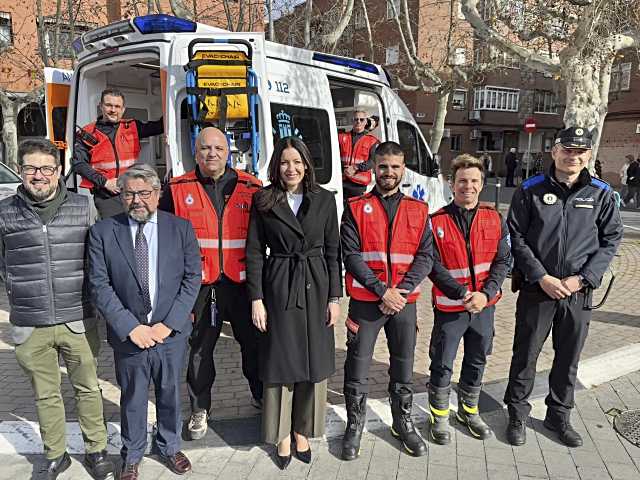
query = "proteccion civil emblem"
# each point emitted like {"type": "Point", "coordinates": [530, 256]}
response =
{"type": "Point", "coordinates": [188, 199]}
{"type": "Point", "coordinates": [549, 198]}
{"type": "Point", "coordinates": [440, 232]}
{"type": "Point", "coordinates": [368, 208]}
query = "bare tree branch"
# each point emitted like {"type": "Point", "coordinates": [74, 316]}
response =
{"type": "Point", "coordinates": [179, 10]}
{"type": "Point", "coordinates": [485, 32]}
{"type": "Point", "coordinates": [330, 39]}
{"type": "Point", "coordinates": [363, 5]}
{"type": "Point", "coordinates": [307, 22]}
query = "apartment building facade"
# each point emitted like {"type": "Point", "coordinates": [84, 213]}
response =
{"type": "Point", "coordinates": [487, 114]}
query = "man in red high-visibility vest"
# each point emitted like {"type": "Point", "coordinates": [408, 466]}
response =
{"type": "Point", "coordinates": [471, 260]}
{"type": "Point", "coordinates": [105, 149]}
{"type": "Point", "coordinates": [387, 251]}
{"type": "Point", "coordinates": [217, 200]}
{"type": "Point", "coordinates": [356, 154]}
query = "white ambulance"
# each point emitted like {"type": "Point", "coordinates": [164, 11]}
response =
{"type": "Point", "coordinates": [257, 91]}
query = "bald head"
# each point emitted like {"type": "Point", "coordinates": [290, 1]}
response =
{"type": "Point", "coordinates": [212, 152]}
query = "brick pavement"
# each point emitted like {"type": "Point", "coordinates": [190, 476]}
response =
{"type": "Point", "coordinates": [231, 451]}
{"type": "Point", "coordinates": [613, 326]}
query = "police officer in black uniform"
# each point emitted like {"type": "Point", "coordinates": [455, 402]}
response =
{"type": "Point", "coordinates": [565, 229]}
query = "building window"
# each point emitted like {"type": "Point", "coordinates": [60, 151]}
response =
{"type": "Point", "coordinates": [490, 55]}
{"type": "Point", "coordinates": [620, 77]}
{"type": "Point", "coordinates": [545, 102]}
{"type": "Point", "coordinates": [490, 142]}
{"type": "Point", "coordinates": [459, 99]}
{"type": "Point", "coordinates": [496, 98]}
{"type": "Point", "coordinates": [459, 56]}
{"type": "Point", "coordinates": [392, 55]}
{"type": "Point", "coordinates": [65, 36]}
{"type": "Point", "coordinates": [6, 31]}
{"type": "Point", "coordinates": [391, 4]}
{"type": "Point", "coordinates": [456, 143]}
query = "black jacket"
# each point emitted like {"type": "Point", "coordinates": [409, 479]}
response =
{"type": "Point", "coordinates": [44, 265]}
{"type": "Point", "coordinates": [563, 231]}
{"type": "Point", "coordinates": [295, 280]}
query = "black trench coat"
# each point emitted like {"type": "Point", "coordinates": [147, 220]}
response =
{"type": "Point", "coordinates": [295, 281]}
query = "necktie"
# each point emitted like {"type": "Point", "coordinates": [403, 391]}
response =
{"type": "Point", "coordinates": [142, 262]}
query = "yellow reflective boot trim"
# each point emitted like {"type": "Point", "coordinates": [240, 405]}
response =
{"type": "Point", "coordinates": [438, 412]}
{"type": "Point", "coordinates": [470, 410]}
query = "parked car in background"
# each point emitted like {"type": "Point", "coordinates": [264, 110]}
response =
{"type": "Point", "coordinates": [9, 181]}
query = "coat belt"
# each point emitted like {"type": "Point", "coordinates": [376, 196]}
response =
{"type": "Point", "coordinates": [298, 283]}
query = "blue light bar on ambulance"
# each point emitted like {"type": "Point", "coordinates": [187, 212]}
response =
{"type": "Point", "coordinates": [347, 62]}
{"type": "Point", "coordinates": [163, 24]}
{"type": "Point", "coordinates": [107, 31]}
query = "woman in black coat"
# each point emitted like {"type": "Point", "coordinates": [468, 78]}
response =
{"type": "Point", "coordinates": [294, 291]}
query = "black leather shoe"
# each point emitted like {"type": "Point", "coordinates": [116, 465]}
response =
{"type": "Point", "coordinates": [517, 431]}
{"type": "Point", "coordinates": [58, 465]}
{"type": "Point", "coordinates": [565, 431]}
{"type": "Point", "coordinates": [98, 465]}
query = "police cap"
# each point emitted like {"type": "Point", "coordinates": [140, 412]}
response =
{"type": "Point", "coordinates": [575, 137]}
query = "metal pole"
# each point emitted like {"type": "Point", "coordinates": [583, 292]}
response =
{"type": "Point", "coordinates": [497, 200]}
{"type": "Point", "coordinates": [529, 153]}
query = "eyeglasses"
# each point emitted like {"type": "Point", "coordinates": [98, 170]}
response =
{"type": "Point", "coordinates": [143, 194]}
{"type": "Point", "coordinates": [358, 119]}
{"type": "Point", "coordinates": [47, 171]}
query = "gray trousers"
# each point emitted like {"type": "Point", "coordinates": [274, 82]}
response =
{"type": "Point", "coordinates": [297, 407]}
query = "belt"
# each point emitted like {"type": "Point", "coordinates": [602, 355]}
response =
{"type": "Point", "coordinates": [298, 282]}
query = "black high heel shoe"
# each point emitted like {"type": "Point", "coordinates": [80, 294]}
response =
{"type": "Point", "coordinates": [282, 461]}
{"type": "Point", "coordinates": [305, 456]}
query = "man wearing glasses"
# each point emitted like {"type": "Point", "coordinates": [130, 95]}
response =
{"type": "Point", "coordinates": [42, 256]}
{"type": "Point", "coordinates": [144, 274]}
{"type": "Point", "coordinates": [565, 229]}
{"type": "Point", "coordinates": [356, 154]}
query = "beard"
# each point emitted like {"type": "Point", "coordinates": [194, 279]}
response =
{"type": "Point", "coordinates": [386, 185]}
{"type": "Point", "coordinates": [139, 216]}
{"type": "Point", "coordinates": [41, 194]}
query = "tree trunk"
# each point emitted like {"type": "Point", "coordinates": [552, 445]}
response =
{"type": "Point", "coordinates": [587, 89]}
{"type": "Point", "coordinates": [307, 23]}
{"type": "Point", "coordinates": [442, 100]}
{"type": "Point", "coordinates": [10, 109]}
{"type": "Point", "coordinates": [330, 40]}
{"type": "Point", "coordinates": [272, 29]}
{"type": "Point", "coordinates": [179, 10]}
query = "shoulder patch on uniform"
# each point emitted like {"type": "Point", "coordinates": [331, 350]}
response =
{"type": "Point", "coordinates": [596, 182]}
{"type": "Point", "coordinates": [530, 182]}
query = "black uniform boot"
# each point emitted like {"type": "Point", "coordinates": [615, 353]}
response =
{"type": "Point", "coordinates": [439, 408]}
{"type": "Point", "coordinates": [403, 428]}
{"type": "Point", "coordinates": [356, 416]}
{"type": "Point", "coordinates": [468, 415]}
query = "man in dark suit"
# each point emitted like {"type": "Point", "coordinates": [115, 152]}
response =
{"type": "Point", "coordinates": [145, 273]}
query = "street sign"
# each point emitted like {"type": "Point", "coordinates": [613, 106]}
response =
{"type": "Point", "coordinates": [530, 125]}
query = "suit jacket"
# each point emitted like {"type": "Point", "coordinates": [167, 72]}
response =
{"type": "Point", "coordinates": [115, 287]}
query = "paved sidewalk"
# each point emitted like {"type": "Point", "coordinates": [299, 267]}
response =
{"type": "Point", "coordinates": [229, 452]}
{"type": "Point", "coordinates": [615, 325]}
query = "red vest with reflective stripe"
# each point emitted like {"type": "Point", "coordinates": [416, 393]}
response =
{"type": "Point", "coordinates": [219, 255]}
{"type": "Point", "coordinates": [355, 155]}
{"type": "Point", "coordinates": [375, 232]}
{"type": "Point", "coordinates": [484, 238]}
{"type": "Point", "coordinates": [107, 161]}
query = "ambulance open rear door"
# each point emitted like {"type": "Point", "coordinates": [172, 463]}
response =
{"type": "Point", "coordinates": [56, 97]}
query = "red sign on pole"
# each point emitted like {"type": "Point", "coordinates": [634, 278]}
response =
{"type": "Point", "coordinates": [530, 125]}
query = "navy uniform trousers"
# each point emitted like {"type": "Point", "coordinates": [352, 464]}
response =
{"type": "Point", "coordinates": [476, 329]}
{"type": "Point", "coordinates": [400, 330]}
{"type": "Point", "coordinates": [537, 315]}
{"type": "Point", "coordinates": [163, 365]}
